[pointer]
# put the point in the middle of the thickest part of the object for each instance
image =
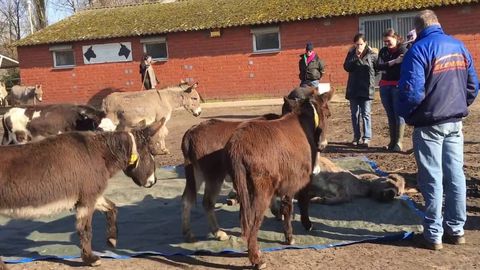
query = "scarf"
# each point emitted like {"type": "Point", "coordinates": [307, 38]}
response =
{"type": "Point", "coordinates": [310, 58]}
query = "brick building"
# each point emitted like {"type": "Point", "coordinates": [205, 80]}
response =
{"type": "Point", "coordinates": [232, 48]}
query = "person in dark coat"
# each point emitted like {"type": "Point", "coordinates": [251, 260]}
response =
{"type": "Point", "coordinates": [149, 79]}
{"type": "Point", "coordinates": [389, 63]}
{"type": "Point", "coordinates": [311, 67]}
{"type": "Point", "coordinates": [360, 65]}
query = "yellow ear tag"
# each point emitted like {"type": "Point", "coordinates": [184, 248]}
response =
{"type": "Point", "coordinates": [133, 159]}
{"type": "Point", "coordinates": [316, 119]}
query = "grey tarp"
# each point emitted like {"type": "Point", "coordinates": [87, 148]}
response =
{"type": "Point", "coordinates": [149, 221]}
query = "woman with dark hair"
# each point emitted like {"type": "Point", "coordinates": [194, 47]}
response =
{"type": "Point", "coordinates": [360, 65]}
{"type": "Point", "coordinates": [389, 61]}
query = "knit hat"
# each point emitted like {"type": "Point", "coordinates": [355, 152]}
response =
{"type": "Point", "coordinates": [309, 46]}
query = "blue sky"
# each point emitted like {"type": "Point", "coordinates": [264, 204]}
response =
{"type": "Point", "coordinates": [54, 14]}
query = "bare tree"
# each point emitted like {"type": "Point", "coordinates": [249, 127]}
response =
{"type": "Point", "coordinates": [40, 8]}
{"type": "Point", "coordinates": [12, 16]}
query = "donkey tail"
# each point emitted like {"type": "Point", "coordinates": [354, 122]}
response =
{"type": "Point", "coordinates": [238, 174]}
{"type": "Point", "coordinates": [190, 191]}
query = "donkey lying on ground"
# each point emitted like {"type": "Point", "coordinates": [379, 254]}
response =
{"type": "Point", "coordinates": [336, 185]}
{"type": "Point", "coordinates": [267, 158]}
{"type": "Point", "coordinates": [74, 172]}
{"type": "Point", "coordinates": [202, 148]}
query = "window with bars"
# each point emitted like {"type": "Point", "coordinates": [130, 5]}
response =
{"type": "Point", "coordinates": [374, 26]}
{"type": "Point", "coordinates": [63, 56]}
{"type": "Point", "coordinates": [266, 39]}
{"type": "Point", "coordinates": [156, 47]}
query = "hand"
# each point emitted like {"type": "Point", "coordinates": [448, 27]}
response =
{"type": "Point", "coordinates": [395, 61]}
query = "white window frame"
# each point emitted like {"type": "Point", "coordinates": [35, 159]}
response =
{"type": "Point", "coordinates": [393, 17]}
{"type": "Point", "coordinates": [265, 30]}
{"type": "Point", "coordinates": [155, 40]}
{"type": "Point", "coordinates": [62, 48]}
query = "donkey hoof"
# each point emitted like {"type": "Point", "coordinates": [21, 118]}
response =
{"type": "Point", "coordinates": [290, 242]}
{"type": "Point", "coordinates": [190, 238]}
{"type": "Point", "coordinates": [261, 265]}
{"type": "Point", "coordinates": [164, 152]}
{"type": "Point", "coordinates": [112, 242]}
{"type": "Point", "coordinates": [221, 235]}
{"type": "Point", "coordinates": [96, 263]}
{"type": "Point", "coordinates": [92, 260]}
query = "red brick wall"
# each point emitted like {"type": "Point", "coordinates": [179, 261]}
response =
{"type": "Point", "coordinates": [225, 67]}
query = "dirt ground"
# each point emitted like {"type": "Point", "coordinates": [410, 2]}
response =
{"type": "Point", "coordinates": [387, 255]}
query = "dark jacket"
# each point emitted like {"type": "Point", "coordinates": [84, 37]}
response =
{"type": "Point", "coordinates": [390, 73]}
{"type": "Point", "coordinates": [438, 80]}
{"type": "Point", "coordinates": [361, 74]}
{"type": "Point", "coordinates": [311, 72]}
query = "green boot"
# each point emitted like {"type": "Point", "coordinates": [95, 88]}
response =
{"type": "Point", "coordinates": [399, 138]}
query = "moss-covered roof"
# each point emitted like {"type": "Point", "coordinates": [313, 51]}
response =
{"type": "Point", "coordinates": [192, 15]}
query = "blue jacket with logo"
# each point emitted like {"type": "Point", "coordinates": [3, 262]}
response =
{"type": "Point", "coordinates": [438, 80]}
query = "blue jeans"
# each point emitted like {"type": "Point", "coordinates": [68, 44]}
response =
{"type": "Point", "coordinates": [389, 96]}
{"type": "Point", "coordinates": [439, 155]}
{"type": "Point", "coordinates": [361, 108]}
{"type": "Point", "coordinates": [307, 83]}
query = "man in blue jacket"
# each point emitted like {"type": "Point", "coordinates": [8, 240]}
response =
{"type": "Point", "coordinates": [437, 83]}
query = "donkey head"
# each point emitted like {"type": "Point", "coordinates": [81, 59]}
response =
{"type": "Point", "coordinates": [385, 189]}
{"type": "Point", "coordinates": [38, 92]}
{"type": "Point", "coordinates": [191, 100]}
{"type": "Point", "coordinates": [141, 164]}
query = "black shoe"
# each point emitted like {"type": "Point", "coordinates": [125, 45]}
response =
{"type": "Point", "coordinates": [454, 239]}
{"type": "Point", "coordinates": [421, 242]}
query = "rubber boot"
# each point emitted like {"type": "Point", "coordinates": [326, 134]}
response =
{"type": "Point", "coordinates": [393, 137]}
{"type": "Point", "coordinates": [400, 133]}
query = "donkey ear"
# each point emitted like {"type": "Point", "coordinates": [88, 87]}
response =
{"type": "Point", "coordinates": [153, 128]}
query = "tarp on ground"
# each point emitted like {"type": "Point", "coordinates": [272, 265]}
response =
{"type": "Point", "coordinates": [149, 222]}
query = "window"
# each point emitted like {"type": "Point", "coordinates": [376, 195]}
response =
{"type": "Point", "coordinates": [266, 39]}
{"type": "Point", "coordinates": [63, 56]}
{"type": "Point", "coordinates": [374, 26]}
{"type": "Point", "coordinates": [155, 47]}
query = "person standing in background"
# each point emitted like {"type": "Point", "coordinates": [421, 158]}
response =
{"type": "Point", "coordinates": [437, 84]}
{"type": "Point", "coordinates": [360, 65]}
{"type": "Point", "coordinates": [311, 67]}
{"type": "Point", "coordinates": [411, 37]}
{"type": "Point", "coordinates": [389, 62]}
{"type": "Point", "coordinates": [149, 79]}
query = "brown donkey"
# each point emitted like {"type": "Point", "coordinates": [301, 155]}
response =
{"type": "Point", "coordinates": [274, 158]}
{"type": "Point", "coordinates": [71, 171]}
{"type": "Point", "coordinates": [202, 148]}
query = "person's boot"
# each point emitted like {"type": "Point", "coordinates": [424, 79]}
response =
{"type": "Point", "coordinates": [400, 133]}
{"type": "Point", "coordinates": [393, 135]}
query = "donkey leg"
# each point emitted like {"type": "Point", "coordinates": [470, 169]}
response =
{"type": "Point", "coordinates": [163, 132]}
{"type": "Point", "coordinates": [260, 204]}
{"type": "Point", "coordinates": [212, 189]}
{"type": "Point", "coordinates": [287, 208]}
{"type": "Point", "coordinates": [303, 202]}
{"type": "Point", "coordinates": [84, 230]}
{"type": "Point", "coordinates": [108, 207]}
{"type": "Point", "coordinates": [2, 265]}
{"type": "Point", "coordinates": [188, 200]}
